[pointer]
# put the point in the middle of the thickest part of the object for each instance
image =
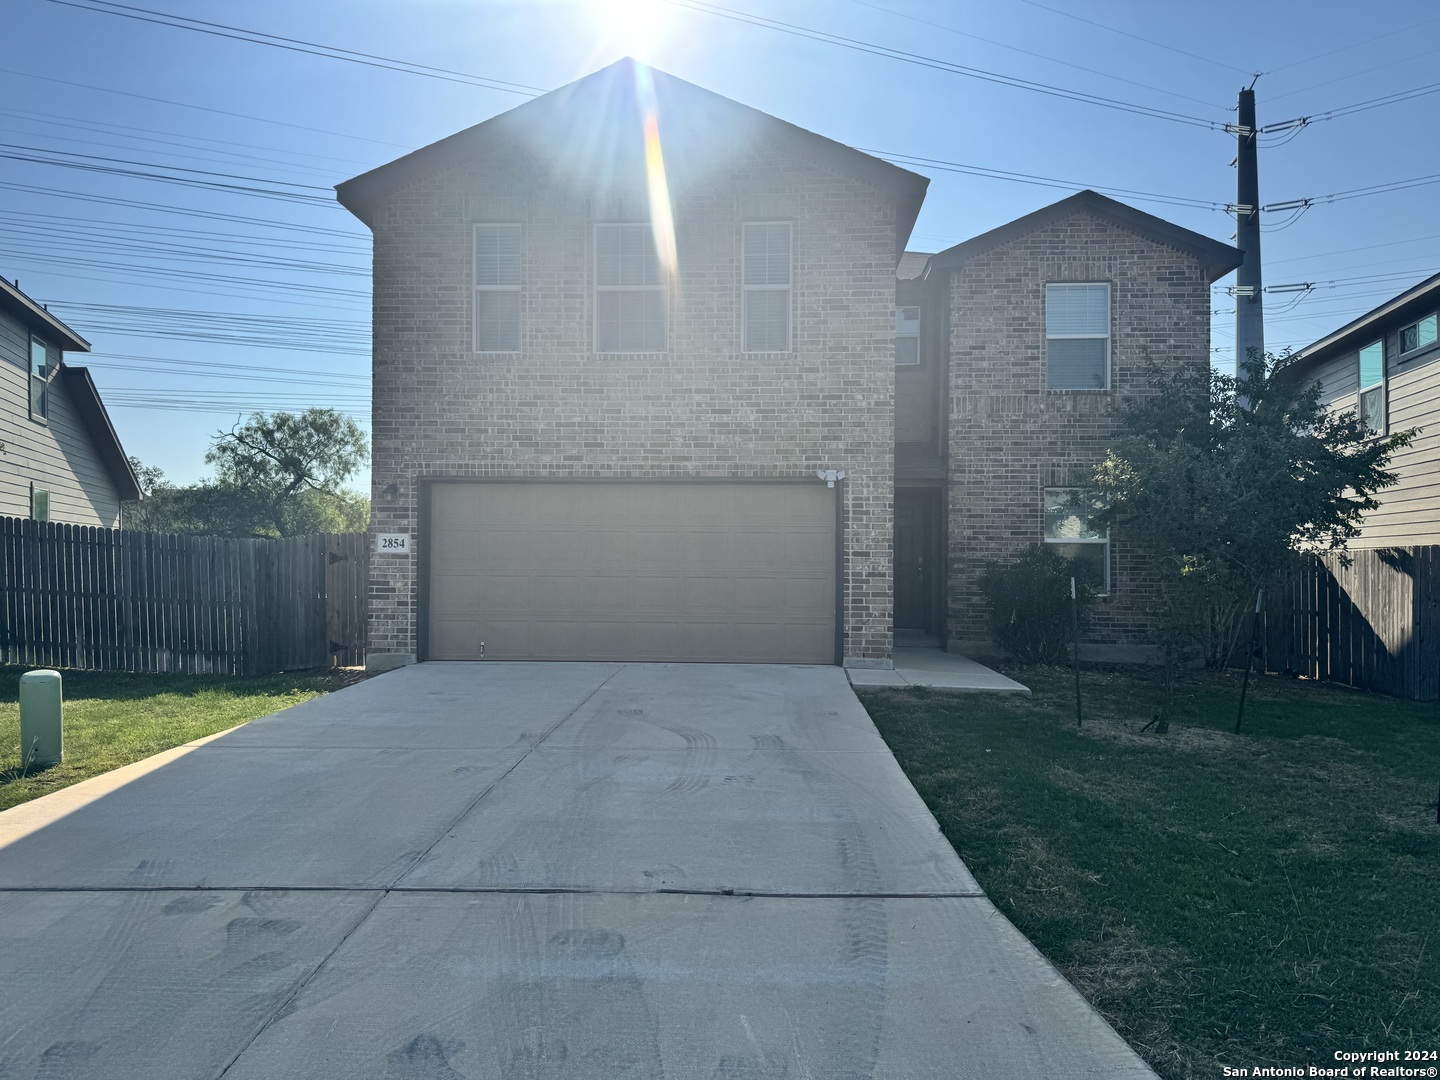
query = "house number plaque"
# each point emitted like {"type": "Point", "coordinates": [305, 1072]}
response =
{"type": "Point", "coordinates": [392, 543]}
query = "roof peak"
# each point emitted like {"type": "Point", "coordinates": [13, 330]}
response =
{"type": "Point", "coordinates": [1218, 258]}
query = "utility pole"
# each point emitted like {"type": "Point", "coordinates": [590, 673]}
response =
{"type": "Point", "coordinates": [1249, 297]}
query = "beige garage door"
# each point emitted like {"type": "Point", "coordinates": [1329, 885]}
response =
{"type": "Point", "coordinates": [632, 571]}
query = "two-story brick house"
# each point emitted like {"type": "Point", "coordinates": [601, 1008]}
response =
{"type": "Point", "coordinates": [636, 392]}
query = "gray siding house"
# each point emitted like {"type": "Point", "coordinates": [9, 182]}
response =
{"type": "Point", "coordinates": [1385, 367]}
{"type": "Point", "coordinates": [60, 459]}
{"type": "Point", "coordinates": [648, 385]}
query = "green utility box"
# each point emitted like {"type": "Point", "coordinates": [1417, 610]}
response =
{"type": "Point", "coordinates": [40, 708]}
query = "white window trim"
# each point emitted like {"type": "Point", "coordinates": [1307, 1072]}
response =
{"type": "Point", "coordinates": [908, 334]}
{"type": "Point", "coordinates": [746, 289]}
{"type": "Point", "coordinates": [1062, 540]}
{"type": "Point", "coordinates": [44, 416]}
{"type": "Point", "coordinates": [1383, 386]}
{"type": "Point", "coordinates": [476, 288]}
{"type": "Point", "coordinates": [1400, 337]}
{"type": "Point", "coordinates": [597, 289]}
{"type": "Point", "coordinates": [1106, 337]}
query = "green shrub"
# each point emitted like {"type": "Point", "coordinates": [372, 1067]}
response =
{"type": "Point", "coordinates": [1030, 603]}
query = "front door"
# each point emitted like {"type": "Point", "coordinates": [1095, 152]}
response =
{"type": "Point", "coordinates": [917, 515]}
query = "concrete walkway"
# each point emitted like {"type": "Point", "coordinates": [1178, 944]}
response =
{"type": "Point", "coordinates": [936, 670]}
{"type": "Point", "coordinates": [523, 871]}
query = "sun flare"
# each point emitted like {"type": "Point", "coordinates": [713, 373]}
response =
{"type": "Point", "coordinates": [634, 27]}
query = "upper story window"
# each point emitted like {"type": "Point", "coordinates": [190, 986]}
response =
{"type": "Point", "coordinates": [629, 299]}
{"type": "Point", "coordinates": [1371, 405]}
{"type": "Point", "coordinates": [907, 336]}
{"type": "Point", "coordinates": [767, 272]}
{"type": "Point", "coordinates": [1071, 524]}
{"type": "Point", "coordinates": [1418, 335]}
{"type": "Point", "coordinates": [1077, 336]}
{"type": "Point", "coordinates": [497, 288]}
{"type": "Point", "coordinates": [39, 380]}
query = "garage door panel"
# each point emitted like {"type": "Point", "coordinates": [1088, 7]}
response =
{"type": "Point", "coordinates": [809, 594]}
{"type": "Point", "coordinates": [705, 548]}
{"type": "Point", "coordinates": [657, 596]}
{"type": "Point", "coordinates": [633, 571]}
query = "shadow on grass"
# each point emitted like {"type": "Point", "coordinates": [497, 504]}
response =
{"type": "Point", "coordinates": [82, 685]}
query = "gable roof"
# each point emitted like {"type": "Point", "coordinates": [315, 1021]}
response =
{"type": "Point", "coordinates": [79, 386]}
{"type": "Point", "coordinates": [85, 400]}
{"type": "Point", "coordinates": [579, 115]}
{"type": "Point", "coordinates": [1418, 301]}
{"type": "Point", "coordinates": [1218, 259]}
{"type": "Point", "coordinates": [37, 319]}
{"type": "Point", "coordinates": [912, 265]}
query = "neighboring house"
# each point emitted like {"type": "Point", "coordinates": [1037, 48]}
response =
{"type": "Point", "coordinates": [620, 329]}
{"type": "Point", "coordinates": [60, 459]}
{"type": "Point", "coordinates": [1385, 367]}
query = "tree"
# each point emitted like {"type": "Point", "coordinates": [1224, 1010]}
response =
{"type": "Point", "coordinates": [276, 475]}
{"type": "Point", "coordinates": [288, 468]}
{"type": "Point", "coordinates": [1228, 497]}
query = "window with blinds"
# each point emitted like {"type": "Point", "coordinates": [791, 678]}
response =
{"type": "Point", "coordinates": [1077, 336]}
{"type": "Point", "coordinates": [497, 288]}
{"type": "Point", "coordinates": [766, 272]}
{"type": "Point", "coordinates": [629, 299]}
{"type": "Point", "coordinates": [1371, 404]}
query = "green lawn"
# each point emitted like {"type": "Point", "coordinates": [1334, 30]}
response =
{"type": "Point", "coordinates": [114, 719]}
{"type": "Point", "coordinates": [1261, 899]}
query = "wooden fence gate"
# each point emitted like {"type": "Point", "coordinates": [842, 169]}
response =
{"type": "Point", "coordinates": [112, 600]}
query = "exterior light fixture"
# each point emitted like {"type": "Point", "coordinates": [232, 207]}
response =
{"type": "Point", "coordinates": [830, 476]}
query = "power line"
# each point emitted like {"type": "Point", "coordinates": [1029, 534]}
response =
{"type": "Point", "coordinates": [189, 365]}
{"type": "Point", "coordinates": [286, 287]}
{"type": "Point", "coordinates": [267, 223]}
{"type": "Point", "coordinates": [935, 64]}
{"type": "Point", "coordinates": [1136, 37]}
{"type": "Point", "coordinates": [1347, 47]}
{"type": "Point", "coordinates": [201, 108]}
{"type": "Point", "coordinates": [256, 37]}
{"type": "Point", "coordinates": [1028, 52]}
{"type": "Point", "coordinates": [59, 239]}
{"type": "Point", "coordinates": [166, 178]}
{"type": "Point", "coordinates": [91, 124]}
{"type": "Point", "coordinates": [70, 224]}
{"type": "Point", "coordinates": [277, 41]}
{"type": "Point", "coordinates": [1386, 66]}
{"type": "Point", "coordinates": [1357, 193]}
{"type": "Point", "coordinates": [157, 146]}
{"type": "Point", "coordinates": [1040, 181]}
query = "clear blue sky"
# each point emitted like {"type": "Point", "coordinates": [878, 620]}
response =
{"type": "Point", "coordinates": [285, 311]}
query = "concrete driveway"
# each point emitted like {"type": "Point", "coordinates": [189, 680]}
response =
{"type": "Point", "coordinates": [523, 871]}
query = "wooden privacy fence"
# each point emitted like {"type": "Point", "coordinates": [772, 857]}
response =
{"type": "Point", "coordinates": [111, 600]}
{"type": "Point", "coordinates": [1374, 625]}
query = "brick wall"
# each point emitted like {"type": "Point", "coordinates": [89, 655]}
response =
{"type": "Point", "coordinates": [1010, 437]}
{"type": "Point", "coordinates": [704, 409]}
